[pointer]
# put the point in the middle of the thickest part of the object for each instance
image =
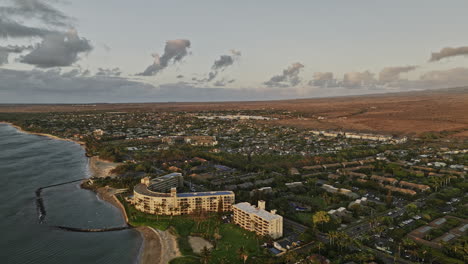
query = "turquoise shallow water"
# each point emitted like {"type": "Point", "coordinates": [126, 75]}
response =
{"type": "Point", "coordinates": [28, 162]}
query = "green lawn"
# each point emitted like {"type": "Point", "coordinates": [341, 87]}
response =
{"type": "Point", "coordinates": [232, 238]}
{"type": "Point", "coordinates": [303, 218]}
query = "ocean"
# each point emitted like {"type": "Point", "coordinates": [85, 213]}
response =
{"type": "Point", "coordinates": [28, 162]}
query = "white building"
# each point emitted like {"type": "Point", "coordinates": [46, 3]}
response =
{"type": "Point", "coordinates": [258, 220]}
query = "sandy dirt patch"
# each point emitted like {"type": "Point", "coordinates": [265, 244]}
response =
{"type": "Point", "coordinates": [198, 243]}
{"type": "Point", "coordinates": [101, 168]}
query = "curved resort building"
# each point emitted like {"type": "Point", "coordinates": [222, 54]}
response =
{"type": "Point", "coordinates": [148, 199]}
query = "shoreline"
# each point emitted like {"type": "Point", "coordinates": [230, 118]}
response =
{"type": "Point", "coordinates": [151, 238]}
{"type": "Point", "coordinates": [81, 143]}
{"type": "Point", "coordinates": [158, 246]}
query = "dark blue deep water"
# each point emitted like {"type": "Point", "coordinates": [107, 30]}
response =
{"type": "Point", "coordinates": [28, 162]}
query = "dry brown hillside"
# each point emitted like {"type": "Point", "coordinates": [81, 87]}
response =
{"type": "Point", "coordinates": [410, 113]}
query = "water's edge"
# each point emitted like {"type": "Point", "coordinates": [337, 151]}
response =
{"type": "Point", "coordinates": [88, 174]}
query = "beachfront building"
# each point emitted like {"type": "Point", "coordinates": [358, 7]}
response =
{"type": "Point", "coordinates": [149, 201]}
{"type": "Point", "coordinates": [258, 220]}
{"type": "Point", "coordinates": [164, 183]}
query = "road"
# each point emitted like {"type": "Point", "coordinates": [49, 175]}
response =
{"type": "Point", "coordinates": [361, 228]}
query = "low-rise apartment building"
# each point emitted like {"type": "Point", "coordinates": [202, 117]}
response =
{"type": "Point", "coordinates": [258, 220]}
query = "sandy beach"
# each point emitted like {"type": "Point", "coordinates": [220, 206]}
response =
{"type": "Point", "coordinates": [158, 247]}
{"type": "Point", "coordinates": [101, 168]}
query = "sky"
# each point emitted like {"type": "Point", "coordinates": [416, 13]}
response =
{"type": "Point", "coordinates": [56, 51]}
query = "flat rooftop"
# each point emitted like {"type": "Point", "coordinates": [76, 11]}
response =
{"type": "Point", "coordinates": [247, 207]}
{"type": "Point", "coordinates": [197, 194]}
{"type": "Point", "coordinates": [165, 177]}
{"type": "Point", "coordinates": [440, 221]}
{"type": "Point", "coordinates": [425, 229]}
{"type": "Point", "coordinates": [143, 189]}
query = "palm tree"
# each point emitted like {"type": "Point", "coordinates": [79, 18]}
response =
{"type": "Point", "coordinates": [242, 253]}
{"type": "Point", "coordinates": [158, 211]}
{"type": "Point", "coordinates": [332, 236]}
{"type": "Point", "coordinates": [205, 255]}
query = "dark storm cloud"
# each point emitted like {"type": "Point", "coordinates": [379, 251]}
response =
{"type": "Point", "coordinates": [289, 77]}
{"type": "Point", "coordinates": [174, 51]}
{"type": "Point", "coordinates": [57, 50]}
{"type": "Point", "coordinates": [449, 52]}
{"type": "Point", "coordinates": [36, 9]}
{"type": "Point", "coordinates": [391, 74]}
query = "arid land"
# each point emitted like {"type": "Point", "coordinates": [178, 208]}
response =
{"type": "Point", "coordinates": [405, 113]}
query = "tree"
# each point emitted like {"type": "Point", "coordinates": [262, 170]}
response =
{"type": "Point", "coordinates": [320, 217]}
{"type": "Point", "coordinates": [242, 254]}
{"type": "Point", "coordinates": [291, 257]}
{"type": "Point", "coordinates": [411, 209]}
{"type": "Point", "coordinates": [205, 255]}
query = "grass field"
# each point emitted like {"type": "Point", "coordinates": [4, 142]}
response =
{"type": "Point", "coordinates": [303, 218]}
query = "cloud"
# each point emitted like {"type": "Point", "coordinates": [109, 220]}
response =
{"type": "Point", "coordinates": [455, 77]}
{"type": "Point", "coordinates": [236, 52]}
{"type": "Point", "coordinates": [180, 76]}
{"type": "Point", "coordinates": [448, 52]}
{"type": "Point", "coordinates": [220, 65]}
{"type": "Point", "coordinates": [358, 79]}
{"type": "Point", "coordinates": [174, 51]}
{"type": "Point", "coordinates": [37, 9]}
{"type": "Point", "coordinates": [6, 50]}
{"type": "Point", "coordinates": [3, 58]}
{"type": "Point", "coordinates": [223, 62]}
{"type": "Point", "coordinates": [323, 79]}
{"type": "Point", "coordinates": [223, 82]}
{"type": "Point", "coordinates": [289, 77]}
{"type": "Point", "coordinates": [391, 74]}
{"type": "Point", "coordinates": [12, 29]}
{"type": "Point", "coordinates": [74, 73]}
{"type": "Point", "coordinates": [109, 72]}
{"type": "Point", "coordinates": [52, 86]}
{"type": "Point", "coordinates": [57, 50]}
{"type": "Point", "coordinates": [56, 47]}
{"type": "Point", "coordinates": [452, 76]}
